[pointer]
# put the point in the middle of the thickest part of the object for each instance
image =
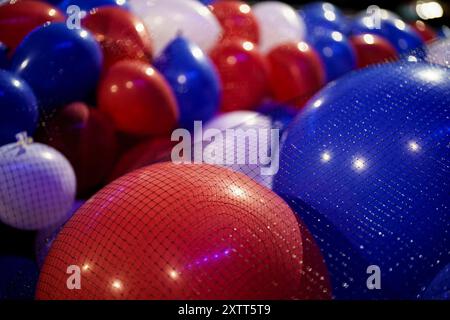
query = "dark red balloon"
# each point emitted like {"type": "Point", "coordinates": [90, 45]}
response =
{"type": "Point", "coordinates": [143, 154]}
{"type": "Point", "coordinates": [87, 138]}
{"type": "Point", "coordinates": [372, 49]}
{"type": "Point", "coordinates": [138, 99]}
{"type": "Point", "coordinates": [296, 73]}
{"type": "Point", "coordinates": [243, 71]}
{"type": "Point", "coordinates": [425, 31]}
{"type": "Point", "coordinates": [120, 33]}
{"type": "Point", "coordinates": [20, 18]}
{"type": "Point", "coordinates": [179, 232]}
{"type": "Point", "coordinates": [237, 20]}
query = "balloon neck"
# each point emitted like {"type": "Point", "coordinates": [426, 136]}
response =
{"type": "Point", "coordinates": [23, 139]}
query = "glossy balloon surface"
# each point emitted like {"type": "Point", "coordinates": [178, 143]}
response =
{"type": "Point", "coordinates": [243, 72]}
{"type": "Point", "coordinates": [355, 165]}
{"type": "Point", "coordinates": [372, 49]}
{"type": "Point", "coordinates": [157, 239]}
{"type": "Point", "coordinates": [425, 31]}
{"type": "Point", "coordinates": [87, 5]}
{"type": "Point", "coordinates": [323, 15]}
{"type": "Point", "coordinates": [37, 186]}
{"type": "Point", "coordinates": [193, 79]}
{"type": "Point", "coordinates": [61, 65]}
{"type": "Point", "coordinates": [138, 99]}
{"type": "Point", "coordinates": [120, 33]}
{"type": "Point", "coordinates": [18, 108]}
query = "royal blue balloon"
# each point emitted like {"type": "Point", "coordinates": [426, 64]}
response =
{"type": "Point", "coordinates": [87, 5]}
{"type": "Point", "coordinates": [193, 78]}
{"type": "Point", "coordinates": [18, 107]}
{"type": "Point", "coordinates": [280, 114]}
{"type": "Point", "coordinates": [335, 51]}
{"type": "Point", "coordinates": [323, 15]}
{"type": "Point", "coordinates": [18, 278]}
{"type": "Point", "coordinates": [61, 65]}
{"type": "Point", "coordinates": [439, 288]}
{"type": "Point", "coordinates": [3, 56]}
{"type": "Point", "coordinates": [365, 165]}
{"type": "Point", "coordinates": [399, 34]}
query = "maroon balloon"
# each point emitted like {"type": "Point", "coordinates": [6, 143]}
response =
{"type": "Point", "coordinates": [425, 31]}
{"type": "Point", "coordinates": [87, 138]}
{"type": "Point", "coordinates": [20, 18]}
{"type": "Point", "coordinates": [372, 49]}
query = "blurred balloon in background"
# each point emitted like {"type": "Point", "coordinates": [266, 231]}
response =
{"type": "Point", "coordinates": [61, 65]}
{"type": "Point", "coordinates": [237, 20]}
{"type": "Point", "coordinates": [138, 99]}
{"type": "Point", "coordinates": [87, 138]}
{"type": "Point", "coordinates": [336, 53]}
{"type": "Point", "coordinates": [425, 31]}
{"type": "Point", "coordinates": [355, 165]}
{"type": "Point", "coordinates": [20, 18]}
{"type": "Point", "coordinates": [318, 16]}
{"type": "Point", "coordinates": [120, 33]}
{"type": "Point", "coordinates": [278, 23]}
{"type": "Point", "coordinates": [18, 108]}
{"type": "Point", "coordinates": [18, 278]}
{"type": "Point", "coordinates": [280, 114]}
{"type": "Point", "coordinates": [439, 52]}
{"type": "Point", "coordinates": [193, 78]}
{"type": "Point", "coordinates": [3, 56]}
{"type": "Point", "coordinates": [372, 49]}
{"type": "Point", "coordinates": [243, 71]}
{"type": "Point", "coordinates": [296, 73]}
{"type": "Point", "coordinates": [439, 288]}
{"type": "Point", "coordinates": [167, 19]}
{"type": "Point", "coordinates": [87, 5]}
{"type": "Point", "coordinates": [37, 185]}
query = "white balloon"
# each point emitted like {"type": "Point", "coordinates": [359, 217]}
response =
{"type": "Point", "coordinates": [165, 19]}
{"type": "Point", "coordinates": [278, 23]}
{"type": "Point", "coordinates": [439, 53]}
{"type": "Point", "coordinates": [37, 186]}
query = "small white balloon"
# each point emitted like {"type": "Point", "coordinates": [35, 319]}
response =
{"type": "Point", "coordinates": [37, 186]}
{"type": "Point", "coordinates": [165, 19]}
{"type": "Point", "coordinates": [439, 53]}
{"type": "Point", "coordinates": [278, 23]}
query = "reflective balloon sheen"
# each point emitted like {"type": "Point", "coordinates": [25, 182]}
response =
{"type": "Point", "coordinates": [138, 99]}
{"type": "Point", "coordinates": [400, 35]}
{"type": "Point", "coordinates": [87, 5]}
{"type": "Point", "coordinates": [18, 108]}
{"type": "Point", "coordinates": [61, 65]}
{"type": "Point", "coordinates": [323, 15]}
{"type": "Point", "coordinates": [87, 138]}
{"type": "Point", "coordinates": [168, 19]}
{"type": "Point", "coordinates": [365, 167]}
{"type": "Point", "coordinates": [19, 19]}
{"type": "Point", "coordinates": [243, 72]}
{"type": "Point", "coordinates": [37, 186]}
{"type": "Point", "coordinates": [438, 52]}
{"type": "Point", "coordinates": [18, 278]}
{"type": "Point", "coordinates": [439, 288]}
{"type": "Point", "coordinates": [278, 23]}
{"type": "Point", "coordinates": [154, 238]}
{"type": "Point", "coordinates": [372, 49]}
{"type": "Point", "coordinates": [336, 52]}
{"type": "Point", "coordinates": [193, 79]}
{"type": "Point", "coordinates": [120, 34]}
{"type": "Point", "coordinates": [237, 20]}
{"type": "Point", "coordinates": [296, 73]}
{"type": "Point", "coordinates": [425, 31]}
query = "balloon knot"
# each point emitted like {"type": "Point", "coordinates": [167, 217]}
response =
{"type": "Point", "coordinates": [23, 139]}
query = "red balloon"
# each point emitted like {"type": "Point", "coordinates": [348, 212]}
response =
{"type": "Point", "coordinates": [20, 18]}
{"type": "Point", "coordinates": [87, 138]}
{"type": "Point", "coordinates": [372, 49]}
{"type": "Point", "coordinates": [296, 73]}
{"type": "Point", "coordinates": [179, 232]}
{"type": "Point", "coordinates": [237, 20]}
{"type": "Point", "coordinates": [145, 153]}
{"type": "Point", "coordinates": [138, 99]}
{"type": "Point", "coordinates": [244, 74]}
{"type": "Point", "coordinates": [120, 33]}
{"type": "Point", "coordinates": [425, 31]}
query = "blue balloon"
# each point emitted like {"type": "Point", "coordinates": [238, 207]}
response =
{"type": "Point", "coordinates": [439, 288]}
{"type": "Point", "coordinates": [280, 114]}
{"type": "Point", "coordinates": [3, 56]}
{"type": "Point", "coordinates": [87, 5]}
{"type": "Point", "coordinates": [61, 65]}
{"type": "Point", "coordinates": [323, 15]}
{"type": "Point", "coordinates": [365, 165]}
{"type": "Point", "coordinates": [193, 78]}
{"type": "Point", "coordinates": [399, 34]}
{"type": "Point", "coordinates": [18, 108]}
{"type": "Point", "coordinates": [335, 51]}
{"type": "Point", "coordinates": [18, 278]}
